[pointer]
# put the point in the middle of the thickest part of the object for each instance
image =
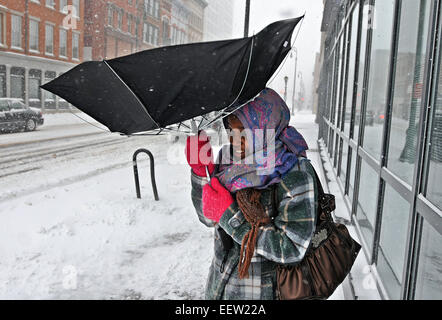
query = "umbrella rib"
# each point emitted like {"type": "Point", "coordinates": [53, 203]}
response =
{"type": "Point", "coordinates": [224, 114]}
{"type": "Point", "coordinates": [133, 93]}
{"type": "Point", "coordinates": [240, 92]}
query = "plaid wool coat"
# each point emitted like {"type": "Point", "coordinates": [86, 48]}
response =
{"type": "Point", "coordinates": [283, 241]}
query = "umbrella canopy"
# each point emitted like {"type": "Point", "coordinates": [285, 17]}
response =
{"type": "Point", "coordinates": [156, 88]}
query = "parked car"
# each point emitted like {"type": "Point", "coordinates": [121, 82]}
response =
{"type": "Point", "coordinates": [16, 116]}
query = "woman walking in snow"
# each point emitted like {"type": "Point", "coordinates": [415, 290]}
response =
{"type": "Point", "coordinates": [262, 218]}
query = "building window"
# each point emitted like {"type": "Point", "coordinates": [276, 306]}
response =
{"type": "Point", "coordinates": [157, 9]}
{"type": "Point", "coordinates": [129, 23]}
{"type": "Point", "coordinates": [356, 112]}
{"type": "Point", "coordinates": [2, 29]}
{"type": "Point", "coordinates": [76, 5]}
{"type": "Point", "coordinates": [75, 46]}
{"type": "Point", "coordinates": [409, 78]}
{"type": "Point", "coordinates": [33, 35]}
{"type": "Point", "coordinates": [395, 216]}
{"type": "Point", "coordinates": [120, 19]}
{"type": "Point", "coordinates": [346, 113]}
{"type": "Point", "coordinates": [110, 16]}
{"type": "Point", "coordinates": [434, 172]}
{"type": "Point", "coordinates": [166, 30]}
{"type": "Point", "coordinates": [429, 283]}
{"type": "Point", "coordinates": [16, 25]}
{"type": "Point", "coordinates": [49, 97]}
{"type": "Point", "coordinates": [152, 8]}
{"type": "Point", "coordinates": [150, 34]}
{"type": "Point", "coordinates": [49, 39]}
{"type": "Point", "coordinates": [367, 202]}
{"type": "Point", "coordinates": [145, 32]}
{"type": "Point", "coordinates": [34, 88]}
{"type": "Point", "coordinates": [2, 81]}
{"type": "Point", "coordinates": [64, 6]}
{"type": "Point", "coordinates": [50, 4]}
{"type": "Point", "coordinates": [63, 43]}
{"type": "Point", "coordinates": [378, 79]}
{"type": "Point", "coordinates": [18, 82]}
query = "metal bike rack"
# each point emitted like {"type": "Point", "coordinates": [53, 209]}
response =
{"type": "Point", "coordinates": [152, 173]}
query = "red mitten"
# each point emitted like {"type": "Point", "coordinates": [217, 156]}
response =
{"type": "Point", "coordinates": [199, 154]}
{"type": "Point", "coordinates": [216, 200]}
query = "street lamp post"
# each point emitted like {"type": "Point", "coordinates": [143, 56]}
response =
{"type": "Point", "coordinates": [247, 19]}
{"type": "Point", "coordinates": [301, 92]}
{"type": "Point", "coordinates": [294, 80]}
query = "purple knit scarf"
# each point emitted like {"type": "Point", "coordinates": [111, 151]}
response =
{"type": "Point", "coordinates": [269, 115]}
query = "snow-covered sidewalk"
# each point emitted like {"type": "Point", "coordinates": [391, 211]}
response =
{"type": "Point", "coordinates": [93, 239]}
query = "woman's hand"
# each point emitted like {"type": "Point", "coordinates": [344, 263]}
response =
{"type": "Point", "coordinates": [199, 154]}
{"type": "Point", "coordinates": [216, 200]}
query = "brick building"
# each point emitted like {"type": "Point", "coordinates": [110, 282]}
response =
{"type": "Point", "coordinates": [116, 28]}
{"type": "Point", "coordinates": [39, 40]}
{"type": "Point", "coordinates": [195, 25]}
{"type": "Point", "coordinates": [112, 28]}
{"type": "Point", "coordinates": [166, 18]}
{"type": "Point", "coordinates": [187, 21]}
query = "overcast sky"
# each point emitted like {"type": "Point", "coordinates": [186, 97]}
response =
{"type": "Point", "coordinates": [264, 12]}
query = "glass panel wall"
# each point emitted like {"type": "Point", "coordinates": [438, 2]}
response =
{"type": "Point", "coordinates": [18, 82]}
{"type": "Point", "coordinates": [429, 274]}
{"type": "Point", "coordinates": [2, 81]}
{"type": "Point", "coordinates": [352, 174]}
{"type": "Point", "coordinates": [344, 162]}
{"type": "Point", "coordinates": [404, 251]}
{"type": "Point", "coordinates": [434, 190]}
{"type": "Point", "coordinates": [378, 79]}
{"type": "Point", "coordinates": [34, 88]}
{"type": "Point", "coordinates": [360, 83]}
{"type": "Point", "coordinates": [394, 230]}
{"type": "Point", "coordinates": [367, 203]}
{"type": "Point", "coordinates": [346, 113]}
{"type": "Point", "coordinates": [413, 36]}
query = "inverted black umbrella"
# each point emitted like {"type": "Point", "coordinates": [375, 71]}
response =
{"type": "Point", "coordinates": [156, 88]}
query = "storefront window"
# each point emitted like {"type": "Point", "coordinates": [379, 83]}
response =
{"type": "Point", "coordinates": [49, 97]}
{"type": "Point", "coordinates": [2, 81]}
{"type": "Point", "coordinates": [434, 191]}
{"type": "Point", "coordinates": [17, 82]}
{"type": "Point", "coordinates": [340, 53]}
{"type": "Point", "coordinates": [344, 162]}
{"type": "Point", "coordinates": [429, 279]}
{"type": "Point", "coordinates": [367, 201]}
{"type": "Point", "coordinates": [366, 12]}
{"type": "Point", "coordinates": [346, 113]}
{"type": "Point", "coordinates": [408, 87]}
{"type": "Point", "coordinates": [34, 88]}
{"type": "Point", "coordinates": [383, 17]}
{"type": "Point", "coordinates": [394, 230]}
{"type": "Point", "coordinates": [352, 174]}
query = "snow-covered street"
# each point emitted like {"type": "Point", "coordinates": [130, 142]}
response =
{"type": "Point", "coordinates": [71, 226]}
